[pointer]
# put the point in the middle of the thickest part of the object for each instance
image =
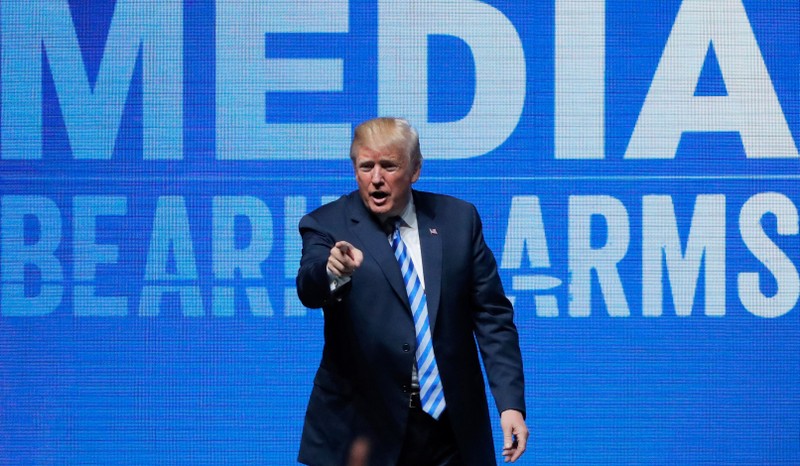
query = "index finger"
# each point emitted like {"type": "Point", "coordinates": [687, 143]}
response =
{"type": "Point", "coordinates": [343, 246]}
{"type": "Point", "coordinates": [522, 442]}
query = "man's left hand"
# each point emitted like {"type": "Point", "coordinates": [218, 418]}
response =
{"type": "Point", "coordinates": [515, 434]}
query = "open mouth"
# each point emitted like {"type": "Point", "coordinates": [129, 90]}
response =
{"type": "Point", "coordinates": [379, 195]}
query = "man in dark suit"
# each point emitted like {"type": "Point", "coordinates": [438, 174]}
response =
{"type": "Point", "coordinates": [407, 285]}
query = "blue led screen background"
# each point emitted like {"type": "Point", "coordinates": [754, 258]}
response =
{"type": "Point", "coordinates": [634, 163]}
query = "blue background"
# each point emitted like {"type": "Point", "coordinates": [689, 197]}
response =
{"type": "Point", "coordinates": [178, 389]}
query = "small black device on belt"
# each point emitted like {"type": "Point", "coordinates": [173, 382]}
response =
{"type": "Point", "coordinates": [414, 401]}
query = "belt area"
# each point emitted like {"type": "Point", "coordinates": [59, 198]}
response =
{"type": "Point", "coordinates": [414, 401]}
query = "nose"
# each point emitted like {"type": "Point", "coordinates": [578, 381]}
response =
{"type": "Point", "coordinates": [377, 175]}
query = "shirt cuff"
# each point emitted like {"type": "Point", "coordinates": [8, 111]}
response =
{"type": "Point", "coordinates": [336, 282]}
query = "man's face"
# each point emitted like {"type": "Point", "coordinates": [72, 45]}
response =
{"type": "Point", "coordinates": [384, 180]}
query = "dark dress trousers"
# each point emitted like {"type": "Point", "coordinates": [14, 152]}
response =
{"type": "Point", "coordinates": [361, 389]}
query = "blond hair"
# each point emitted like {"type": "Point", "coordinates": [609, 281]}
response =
{"type": "Point", "coordinates": [387, 132]}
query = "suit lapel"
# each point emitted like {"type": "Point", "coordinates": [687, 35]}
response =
{"type": "Point", "coordinates": [376, 244]}
{"type": "Point", "coordinates": [431, 247]}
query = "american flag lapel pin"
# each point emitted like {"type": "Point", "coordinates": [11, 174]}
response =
{"type": "Point", "coordinates": [433, 231]}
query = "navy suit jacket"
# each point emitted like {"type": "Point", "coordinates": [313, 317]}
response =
{"type": "Point", "coordinates": [361, 387]}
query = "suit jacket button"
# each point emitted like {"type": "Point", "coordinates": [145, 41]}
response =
{"type": "Point", "coordinates": [406, 348]}
{"type": "Point", "coordinates": [405, 388]}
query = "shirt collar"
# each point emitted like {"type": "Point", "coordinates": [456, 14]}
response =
{"type": "Point", "coordinates": [409, 214]}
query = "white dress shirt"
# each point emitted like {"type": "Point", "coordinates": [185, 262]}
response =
{"type": "Point", "coordinates": [409, 232]}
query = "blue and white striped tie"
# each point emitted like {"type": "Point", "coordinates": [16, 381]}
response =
{"type": "Point", "coordinates": [430, 385]}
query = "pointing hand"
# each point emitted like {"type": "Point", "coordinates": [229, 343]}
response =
{"type": "Point", "coordinates": [344, 259]}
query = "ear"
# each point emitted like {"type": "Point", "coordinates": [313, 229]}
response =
{"type": "Point", "coordinates": [415, 175]}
